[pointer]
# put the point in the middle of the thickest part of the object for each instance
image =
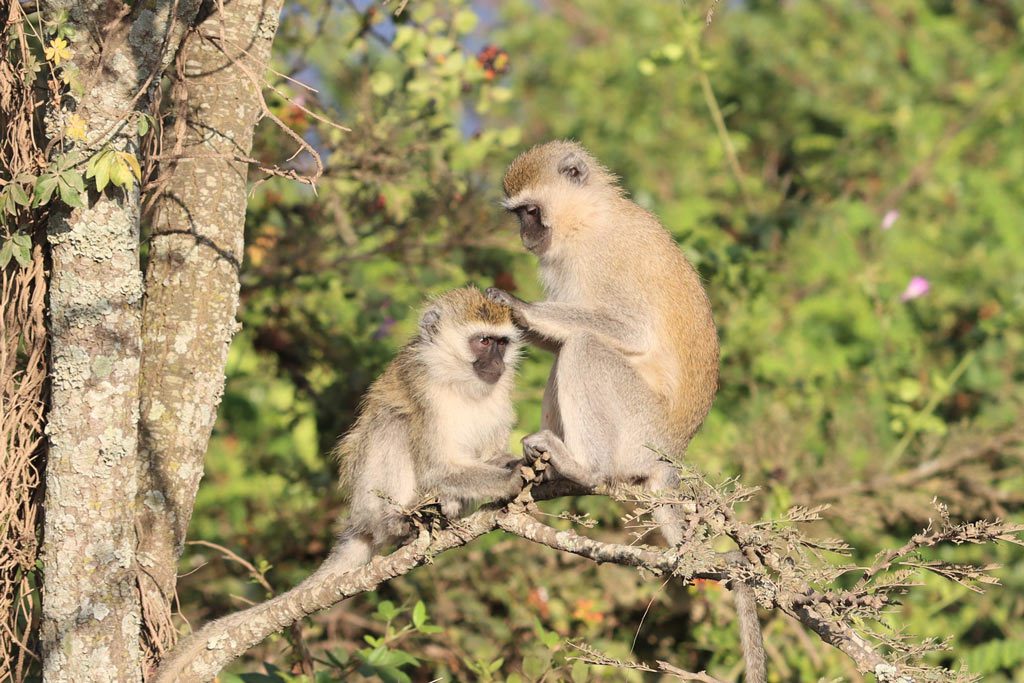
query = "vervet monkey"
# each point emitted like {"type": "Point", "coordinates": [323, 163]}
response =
{"type": "Point", "coordinates": [436, 423]}
{"type": "Point", "coordinates": [636, 350]}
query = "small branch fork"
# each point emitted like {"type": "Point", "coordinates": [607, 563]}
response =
{"type": "Point", "coordinates": [831, 615]}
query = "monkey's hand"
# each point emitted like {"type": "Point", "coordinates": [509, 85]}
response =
{"type": "Point", "coordinates": [517, 478]}
{"type": "Point", "coordinates": [518, 306]}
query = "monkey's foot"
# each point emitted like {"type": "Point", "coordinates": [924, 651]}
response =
{"type": "Point", "coordinates": [537, 451]}
{"type": "Point", "coordinates": [432, 515]}
{"type": "Point", "coordinates": [539, 446]}
{"type": "Point", "coordinates": [544, 446]}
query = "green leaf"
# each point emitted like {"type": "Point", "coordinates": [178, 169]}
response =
{"type": "Point", "coordinates": [580, 672]}
{"type": "Point", "coordinates": [465, 21]}
{"type": "Point", "coordinates": [6, 252]}
{"type": "Point", "coordinates": [143, 125]}
{"type": "Point", "coordinates": [534, 667]}
{"type": "Point", "coordinates": [673, 51]}
{"type": "Point", "coordinates": [385, 663]}
{"type": "Point", "coordinates": [398, 658]}
{"type": "Point", "coordinates": [511, 136]}
{"type": "Point", "coordinates": [908, 390]}
{"type": "Point", "coordinates": [386, 611]}
{"type": "Point", "coordinates": [419, 615]}
{"type": "Point", "coordinates": [18, 194]}
{"type": "Point", "coordinates": [98, 168]}
{"type": "Point", "coordinates": [386, 673]}
{"type": "Point", "coordinates": [74, 179]}
{"type": "Point", "coordinates": [44, 188]}
{"type": "Point", "coordinates": [381, 83]}
{"type": "Point", "coordinates": [69, 195]}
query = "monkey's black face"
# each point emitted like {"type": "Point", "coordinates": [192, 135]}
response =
{"type": "Point", "coordinates": [490, 357]}
{"type": "Point", "coordinates": [535, 235]}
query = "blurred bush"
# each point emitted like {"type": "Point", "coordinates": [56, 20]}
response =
{"type": "Point", "coordinates": [848, 177]}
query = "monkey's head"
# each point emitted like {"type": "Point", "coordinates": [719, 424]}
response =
{"type": "Point", "coordinates": [553, 189]}
{"type": "Point", "coordinates": [469, 340]}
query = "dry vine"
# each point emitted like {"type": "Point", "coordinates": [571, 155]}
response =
{"type": "Point", "coordinates": [23, 366]}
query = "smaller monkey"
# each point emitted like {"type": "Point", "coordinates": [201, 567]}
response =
{"type": "Point", "coordinates": [435, 423]}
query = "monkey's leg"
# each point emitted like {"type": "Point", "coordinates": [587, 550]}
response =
{"type": "Point", "coordinates": [550, 417]}
{"type": "Point", "coordinates": [602, 408]}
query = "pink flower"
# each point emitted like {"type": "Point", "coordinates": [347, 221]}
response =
{"type": "Point", "coordinates": [889, 218]}
{"type": "Point", "coordinates": [917, 287]}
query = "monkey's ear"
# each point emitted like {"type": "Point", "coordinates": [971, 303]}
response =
{"type": "Point", "coordinates": [430, 322]}
{"type": "Point", "coordinates": [574, 167]}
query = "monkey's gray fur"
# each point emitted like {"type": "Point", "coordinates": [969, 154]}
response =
{"type": "Point", "coordinates": [636, 350]}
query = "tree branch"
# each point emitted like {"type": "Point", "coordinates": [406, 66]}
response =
{"type": "Point", "coordinates": [201, 656]}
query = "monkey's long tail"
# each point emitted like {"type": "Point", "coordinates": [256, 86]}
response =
{"type": "Point", "coordinates": [245, 628]}
{"type": "Point", "coordinates": [750, 633]}
{"type": "Point", "coordinates": [751, 640]}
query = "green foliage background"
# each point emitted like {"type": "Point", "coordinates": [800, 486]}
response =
{"type": "Point", "coordinates": [864, 143]}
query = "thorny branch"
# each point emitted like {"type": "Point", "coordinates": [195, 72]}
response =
{"type": "Point", "coordinates": [784, 573]}
{"type": "Point", "coordinates": [597, 658]}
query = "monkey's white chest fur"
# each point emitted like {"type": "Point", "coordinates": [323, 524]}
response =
{"type": "Point", "coordinates": [472, 428]}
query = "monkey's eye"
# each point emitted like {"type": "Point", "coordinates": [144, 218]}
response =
{"type": "Point", "coordinates": [532, 210]}
{"type": "Point", "coordinates": [484, 341]}
{"type": "Point", "coordinates": [502, 343]}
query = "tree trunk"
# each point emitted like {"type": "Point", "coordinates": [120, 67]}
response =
{"type": "Point", "coordinates": [90, 607]}
{"type": "Point", "coordinates": [192, 283]}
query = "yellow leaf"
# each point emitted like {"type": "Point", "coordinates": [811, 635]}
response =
{"type": "Point", "coordinates": [75, 128]}
{"type": "Point", "coordinates": [132, 162]}
{"type": "Point", "coordinates": [58, 51]}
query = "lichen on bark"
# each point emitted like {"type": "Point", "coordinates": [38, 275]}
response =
{"type": "Point", "coordinates": [192, 284]}
{"type": "Point", "coordinates": [91, 614]}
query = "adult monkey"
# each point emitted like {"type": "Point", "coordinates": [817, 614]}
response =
{"type": "Point", "coordinates": [636, 350]}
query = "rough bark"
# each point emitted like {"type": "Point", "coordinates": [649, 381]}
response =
{"type": "Point", "coordinates": [192, 283]}
{"type": "Point", "coordinates": [90, 609]}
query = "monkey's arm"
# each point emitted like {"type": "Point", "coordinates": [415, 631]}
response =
{"type": "Point", "coordinates": [541, 342]}
{"type": "Point", "coordinates": [557, 321]}
{"type": "Point", "coordinates": [480, 481]}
